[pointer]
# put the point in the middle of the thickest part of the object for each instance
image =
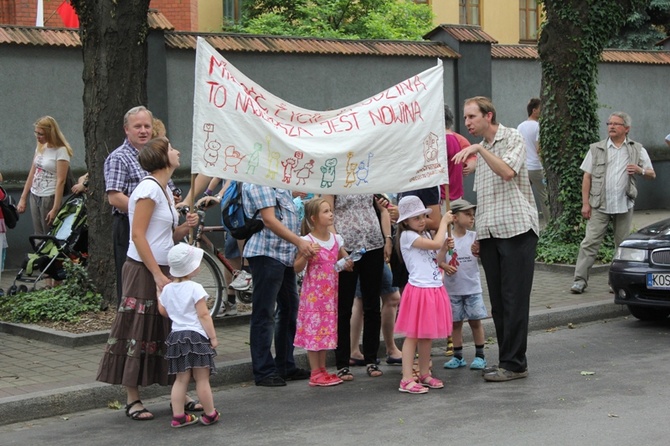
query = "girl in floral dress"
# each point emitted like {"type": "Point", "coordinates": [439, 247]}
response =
{"type": "Point", "coordinates": [317, 315]}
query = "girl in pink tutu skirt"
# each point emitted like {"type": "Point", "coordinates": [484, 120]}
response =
{"type": "Point", "coordinates": [425, 310]}
{"type": "Point", "coordinates": [316, 329]}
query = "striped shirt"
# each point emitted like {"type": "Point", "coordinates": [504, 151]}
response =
{"type": "Point", "coordinates": [505, 208]}
{"type": "Point", "coordinates": [266, 242]}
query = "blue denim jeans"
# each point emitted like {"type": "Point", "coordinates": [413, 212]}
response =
{"type": "Point", "coordinates": [274, 312]}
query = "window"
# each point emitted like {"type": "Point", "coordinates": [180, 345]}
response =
{"type": "Point", "coordinates": [232, 11]}
{"type": "Point", "coordinates": [529, 20]}
{"type": "Point", "coordinates": [469, 12]}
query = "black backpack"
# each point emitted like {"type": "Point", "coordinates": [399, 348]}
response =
{"type": "Point", "coordinates": [9, 211]}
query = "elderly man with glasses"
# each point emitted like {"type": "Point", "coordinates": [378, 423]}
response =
{"type": "Point", "coordinates": [611, 168]}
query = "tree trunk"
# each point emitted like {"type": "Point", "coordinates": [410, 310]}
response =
{"type": "Point", "coordinates": [113, 36]}
{"type": "Point", "coordinates": [573, 37]}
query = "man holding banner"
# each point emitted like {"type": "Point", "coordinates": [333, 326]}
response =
{"type": "Point", "coordinates": [507, 232]}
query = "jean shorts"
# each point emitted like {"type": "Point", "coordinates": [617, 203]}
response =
{"type": "Point", "coordinates": [468, 306]}
{"type": "Point", "coordinates": [387, 283]}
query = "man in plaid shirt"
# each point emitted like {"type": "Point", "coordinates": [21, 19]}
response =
{"type": "Point", "coordinates": [274, 311]}
{"type": "Point", "coordinates": [507, 232]}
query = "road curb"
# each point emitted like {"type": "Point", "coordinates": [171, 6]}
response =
{"type": "Point", "coordinates": [97, 395]}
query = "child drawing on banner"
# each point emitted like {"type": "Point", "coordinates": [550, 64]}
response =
{"type": "Point", "coordinates": [288, 164]}
{"type": "Point", "coordinates": [304, 172]}
{"type": "Point", "coordinates": [254, 158]}
{"type": "Point", "coordinates": [211, 155]}
{"type": "Point", "coordinates": [233, 158]}
{"type": "Point", "coordinates": [351, 171]}
{"type": "Point", "coordinates": [363, 170]}
{"type": "Point", "coordinates": [316, 329]}
{"type": "Point", "coordinates": [464, 286]}
{"type": "Point", "coordinates": [328, 172]}
{"type": "Point", "coordinates": [425, 311]}
{"type": "Point", "coordinates": [273, 164]}
{"type": "Point", "coordinates": [191, 343]}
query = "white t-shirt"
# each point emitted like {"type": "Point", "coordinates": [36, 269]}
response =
{"type": "Point", "coordinates": [466, 280]}
{"type": "Point", "coordinates": [530, 130]}
{"type": "Point", "coordinates": [179, 299]}
{"type": "Point", "coordinates": [328, 244]}
{"type": "Point", "coordinates": [45, 179]}
{"type": "Point", "coordinates": [421, 263]}
{"type": "Point", "coordinates": [162, 223]}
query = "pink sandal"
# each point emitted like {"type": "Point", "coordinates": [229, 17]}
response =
{"type": "Point", "coordinates": [411, 386]}
{"type": "Point", "coordinates": [428, 381]}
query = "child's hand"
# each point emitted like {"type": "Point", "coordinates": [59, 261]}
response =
{"type": "Point", "coordinates": [349, 265]}
{"type": "Point", "coordinates": [316, 247]}
{"type": "Point", "coordinates": [449, 243]}
{"type": "Point", "coordinates": [448, 217]}
{"type": "Point", "coordinates": [475, 248]}
{"type": "Point", "coordinates": [214, 342]}
{"type": "Point", "coordinates": [450, 270]}
{"type": "Point", "coordinates": [393, 212]}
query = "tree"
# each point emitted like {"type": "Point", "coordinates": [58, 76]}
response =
{"type": "Point", "coordinates": [572, 39]}
{"type": "Point", "coordinates": [113, 37]}
{"type": "Point", "coordinates": [644, 27]}
{"type": "Point", "coordinates": [363, 19]}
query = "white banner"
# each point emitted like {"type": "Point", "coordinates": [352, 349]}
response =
{"type": "Point", "coordinates": [391, 142]}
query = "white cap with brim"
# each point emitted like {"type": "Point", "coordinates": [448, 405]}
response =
{"type": "Point", "coordinates": [411, 206]}
{"type": "Point", "coordinates": [184, 259]}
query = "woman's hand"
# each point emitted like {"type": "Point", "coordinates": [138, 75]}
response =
{"type": "Point", "coordinates": [161, 280]}
{"type": "Point", "coordinates": [21, 206]}
{"type": "Point", "coordinates": [51, 216]}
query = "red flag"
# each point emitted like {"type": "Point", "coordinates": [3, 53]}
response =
{"type": "Point", "coordinates": [68, 14]}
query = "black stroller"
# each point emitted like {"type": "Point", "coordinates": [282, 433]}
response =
{"type": "Point", "coordinates": [67, 240]}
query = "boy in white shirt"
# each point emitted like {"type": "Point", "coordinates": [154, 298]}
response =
{"type": "Point", "coordinates": [464, 286]}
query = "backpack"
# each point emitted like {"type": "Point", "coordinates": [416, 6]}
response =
{"type": "Point", "coordinates": [233, 217]}
{"type": "Point", "coordinates": [8, 206]}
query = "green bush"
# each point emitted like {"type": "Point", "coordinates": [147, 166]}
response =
{"type": "Point", "coordinates": [76, 295]}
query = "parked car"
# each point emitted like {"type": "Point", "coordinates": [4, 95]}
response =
{"type": "Point", "coordinates": [640, 272]}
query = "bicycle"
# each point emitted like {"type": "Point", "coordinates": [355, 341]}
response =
{"type": "Point", "coordinates": [210, 275]}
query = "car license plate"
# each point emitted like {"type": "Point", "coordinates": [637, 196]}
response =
{"type": "Point", "coordinates": [658, 281]}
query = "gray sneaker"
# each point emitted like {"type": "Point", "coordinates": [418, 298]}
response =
{"type": "Point", "coordinates": [501, 375]}
{"type": "Point", "coordinates": [231, 309]}
{"type": "Point", "coordinates": [577, 288]}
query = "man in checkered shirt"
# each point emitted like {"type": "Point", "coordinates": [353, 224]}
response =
{"type": "Point", "coordinates": [507, 232]}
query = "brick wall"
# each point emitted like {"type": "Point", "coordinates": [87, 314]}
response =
{"type": "Point", "coordinates": [183, 14]}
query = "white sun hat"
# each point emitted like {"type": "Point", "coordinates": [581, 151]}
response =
{"type": "Point", "coordinates": [411, 206]}
{"type": "Point", "coordinates": [184, 259]}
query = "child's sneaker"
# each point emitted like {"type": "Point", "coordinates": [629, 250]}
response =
{"type": "Point", "coordinates": [455, 363]}
{"type": "Point", "coordinates": [210, 419]}
{"type": "Point", "coordinates": [478, 364]}
{"type": "Point", "coordinates": [185, 420]}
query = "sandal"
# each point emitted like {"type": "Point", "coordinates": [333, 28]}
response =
{"type": "Point", "coordinates": [345, 374]}
{"type": "Point", "coordinates": [373, 371]}
{"type": "Point", "coordinates": [210, 419]}
{"type": "Point", "coordinates": [191, 406]}
{"type": "Point", "coordinates": [410, 386]}
{"type": "Point", "coordinates": [428, 381]}
{"type": "Point", "coordinates": [185, 420]}
{"type": "Point", "coordinates": [136, 415]}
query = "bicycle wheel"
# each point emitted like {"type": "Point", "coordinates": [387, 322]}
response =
{"type": "Point", "coordinates": [211, 278]}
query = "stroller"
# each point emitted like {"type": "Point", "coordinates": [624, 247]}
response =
{"type": "Point", "coordinates": [67, 240]}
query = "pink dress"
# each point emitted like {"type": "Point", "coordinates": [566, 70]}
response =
{"type": "Point", "coordinates": [317, 315]}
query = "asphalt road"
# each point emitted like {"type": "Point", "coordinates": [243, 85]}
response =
{"type": "Point", "coordinates": [624, 401]}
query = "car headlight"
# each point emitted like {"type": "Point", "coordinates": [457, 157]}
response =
{"type": "Point", "coordinates": [630, 254]}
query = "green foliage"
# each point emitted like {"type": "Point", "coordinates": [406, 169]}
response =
{"type": "Point", "coordinates": [644, 27]}
{"type": "Point", "coordinates": [363, 19]}
{"type": "Point", "coordinates": [65, 302]}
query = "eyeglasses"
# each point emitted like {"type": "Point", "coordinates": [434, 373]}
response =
{"type": "Point", "coordinates": [614, 123]}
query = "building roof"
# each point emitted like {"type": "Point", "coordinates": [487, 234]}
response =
{"type": "Point", "coordinates": [463, 33]}
{"type": "Point", "coordinates": [310, 45]}
{"type": "Point", "coordinates": [529, 52]}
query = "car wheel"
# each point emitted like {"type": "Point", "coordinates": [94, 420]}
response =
{"type": "Point", "coordinates": [649, 314]}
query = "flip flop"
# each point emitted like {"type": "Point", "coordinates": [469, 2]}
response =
{"type": "Point", "coordinates": [357, 362]}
